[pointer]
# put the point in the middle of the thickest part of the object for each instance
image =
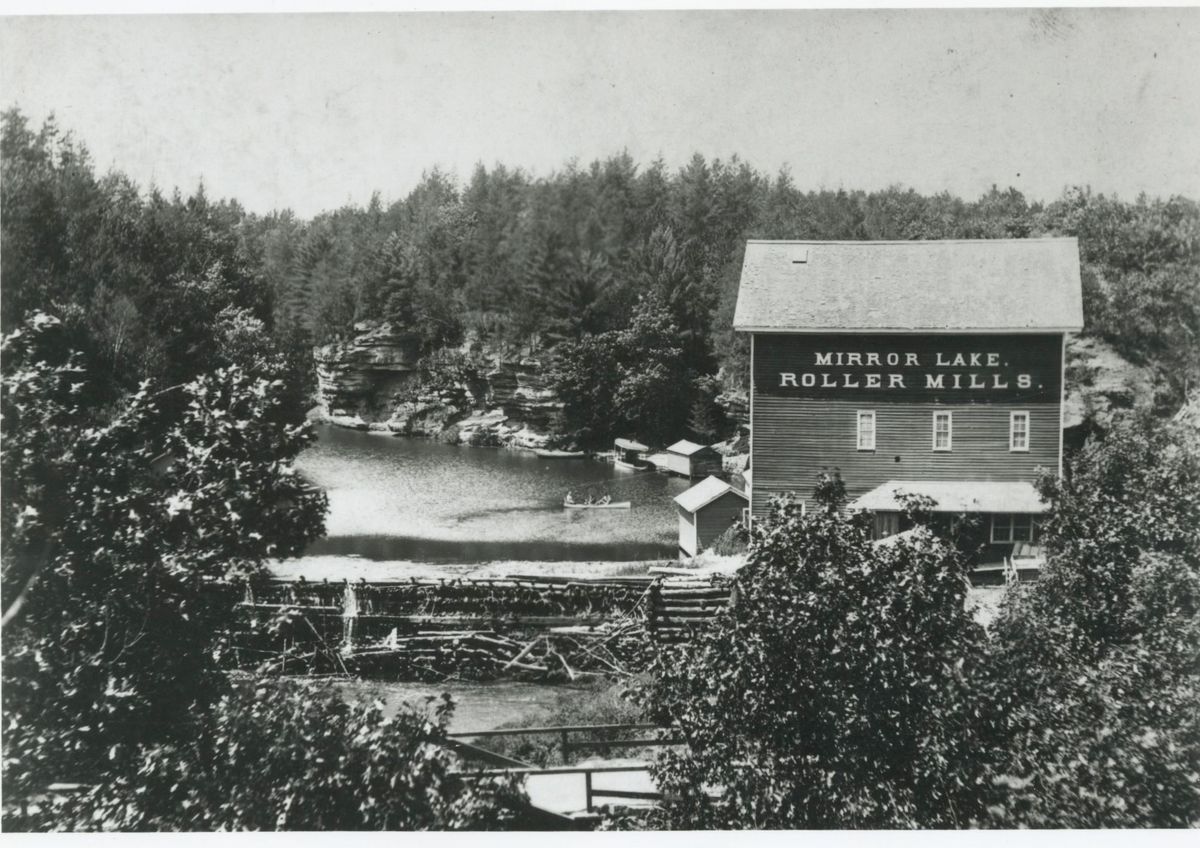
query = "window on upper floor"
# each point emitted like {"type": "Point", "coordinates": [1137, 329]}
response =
{"type": "Point", "coordinates": [943, 431]}
{"type": "Point", "coordinates": [1018, 431]}
{"type": "Point", "coordinates": [866, 430]}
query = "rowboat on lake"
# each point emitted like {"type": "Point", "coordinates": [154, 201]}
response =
{"type": "Point", "coordinates": [609, 505]}
{"type": "Point", "coordinates": [545, 453]}
{"type": "Point", "coordinates": [592, 502]}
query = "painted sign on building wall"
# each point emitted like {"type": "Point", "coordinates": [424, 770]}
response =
{"type": "Point", "coordinates": [897, 368]}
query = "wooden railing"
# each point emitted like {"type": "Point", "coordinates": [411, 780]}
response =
{"type": "Point", "coordinates": [508, 766]}
{"type": "Point", "coordinates": [590, 792]}
{"type": "Point", "coordinates": [567, 744]}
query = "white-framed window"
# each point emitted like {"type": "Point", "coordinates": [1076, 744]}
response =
{"type": "Point", "coordinates": [866, 430]}
{"type": "Point", "coordinates": [1018, 431]}
{"type": "Point", "coordinates": [943, 431]}
{"type": "Point", "coordinates": [1014, 527]}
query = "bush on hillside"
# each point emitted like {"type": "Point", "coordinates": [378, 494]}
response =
{"type": "Point", "coordinates": [834, 693]}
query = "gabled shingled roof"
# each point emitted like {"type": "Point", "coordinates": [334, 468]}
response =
{"type": "Point", "coordinates": [910, 286]}
{"type": "Point", "coordinates": [686, 448]}
{"type": "Point", "coordinates": [704, 493]}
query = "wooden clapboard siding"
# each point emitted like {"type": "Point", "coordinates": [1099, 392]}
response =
{"type": "Point", "coordinates": [714, 519]}
{"type": "Point", "coordinates": [798, 431]}
{"type": "Point", "coordinates": [700, 464]}
{"type": "Point", "coordinates": [687, 533]}
{"type": "Point", "coordinates": [706, 463]}
{"type": "Point", "coordinates": [678, 464]}
{"type": "Point", "coordinates": [795, 439]}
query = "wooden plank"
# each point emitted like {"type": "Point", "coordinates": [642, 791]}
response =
{"type": "Point", "coordinates": [559, 770]}
{"type": "Point", "coordinates": [487, 622]}
{"type": "Point", "coordinates": [483, 755]}
{"type": "Point", "coordinates": [665, 621]}
{"type": "Point", "coordinates": [558, 728]}
{"type": "Point", "coordinates": [624, 743]}
{"type": "Point", "coordinates": [626, 793]}
{"type": "Point", "coordinates": [692, 603]}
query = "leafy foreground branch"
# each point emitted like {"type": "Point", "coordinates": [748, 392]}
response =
{"type": "Point", "coordinates": [291, 756]}
{"type": "Point", "coordinates": [835, 692]}
{"type": "Point", "coordinates": [847, 687]}
{"type": "Point", "coordinates": [117, 525]}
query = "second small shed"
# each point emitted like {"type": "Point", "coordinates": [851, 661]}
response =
{"type": "Point", "coordinates": [705, 512]}
{"type": "Point", "coordinates": [689, 459]}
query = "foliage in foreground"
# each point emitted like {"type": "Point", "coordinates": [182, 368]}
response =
{"type": "Point", "coordinates": [848, 688]}
{"type": "Point", "coordinates": [834, 693]}
{"type": "Point", "coordinates": [603, 702]}
{"type": "Point", "coordinates": [1095, 669]}
{"type": "Point", "coordinates": [115, 532]}
{"type": "Point", "coordinates": [121, 531]}
{"type": "Point", "coordinates": [291, 756]}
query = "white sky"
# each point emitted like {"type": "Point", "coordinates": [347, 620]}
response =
{"type": "Point", "coordinates": [313, 111]}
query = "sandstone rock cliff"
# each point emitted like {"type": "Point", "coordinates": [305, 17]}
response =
{"type": "Point", "coordinates": [356, 377]}
{"type": "Point", "coordinates": [1100, 383]}
{"type": "Point", "coordinates": [475, 394]}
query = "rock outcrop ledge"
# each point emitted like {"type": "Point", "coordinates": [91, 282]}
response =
{"type": "Point", "coordinates": [475, 394]}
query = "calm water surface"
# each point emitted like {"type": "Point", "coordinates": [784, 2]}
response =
{"type": "Point", "coordinates": [415, 499]}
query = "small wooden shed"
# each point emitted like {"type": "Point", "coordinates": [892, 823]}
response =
{"type": "Point", "coordinates": [705, 512]}
{"type": "Point", "coordinates": [689, 459]}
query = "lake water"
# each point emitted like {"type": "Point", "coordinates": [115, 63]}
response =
{"type": "Point", "coordinates": [418, 500]}
{"type": "Point", "coordinates": [413, 507]}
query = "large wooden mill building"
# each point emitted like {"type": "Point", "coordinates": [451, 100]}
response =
{"type": "Point", "coordinates": [931, 368]}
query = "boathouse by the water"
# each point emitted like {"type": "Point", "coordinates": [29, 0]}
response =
{"type": "Point", "coordinates": [707, 510]}
{"type": "Point", "coordinates": [689, 459]}
{"type": "Point", "coordinates": [921, 367]}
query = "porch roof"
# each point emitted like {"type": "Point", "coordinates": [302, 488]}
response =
{"type": "Point", "coordinates": [955, 496]}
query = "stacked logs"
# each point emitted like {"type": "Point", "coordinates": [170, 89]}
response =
{"type": "Point", "coordinates": [545, 627]}
{"type": "Point", "coordinates": [566, 654]}
{"type": "Point", "coordinates": [544, 596]}
{"type": "Point", "coordinates": [680, 606]}
{"type": "Point", "coordinates": [548, 628]}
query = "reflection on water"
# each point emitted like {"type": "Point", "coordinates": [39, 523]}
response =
{"type": "Point", "coordinates": [388, 548]}
{"type": "Point", "coordinates": [414, 499]}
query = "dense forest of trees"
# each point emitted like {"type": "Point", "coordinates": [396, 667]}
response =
{"type": "Point", "coordinates": [156, 367]}
{"type": "Point", "coordinates": [543, 262]}
{"type": "Point", "coordinates": [149, 419]}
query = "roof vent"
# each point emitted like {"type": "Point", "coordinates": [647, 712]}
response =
{"type": "Point", "coordinates": [798, 255]}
